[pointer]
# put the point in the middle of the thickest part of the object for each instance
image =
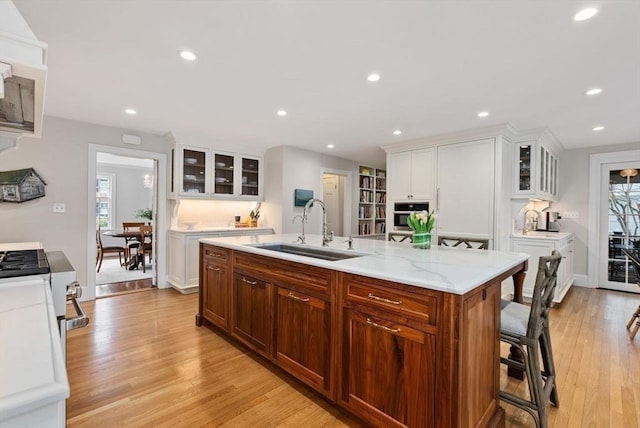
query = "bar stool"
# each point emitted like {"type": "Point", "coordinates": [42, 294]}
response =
{"type": "Point", "coordinates": [527, 329]}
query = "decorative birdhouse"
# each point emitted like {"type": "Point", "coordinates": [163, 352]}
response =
{"type": "Point", "coordinates": [21, 185]}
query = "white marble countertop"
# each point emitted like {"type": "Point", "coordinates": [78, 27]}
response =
{"type": "Point", "coordinates": [32, 367]}
{"type": "Point", "coordinates": [439, 268]}
{"type": "Point", "coordinates": [550, 236]}
{"type": "Point", "coordinates": [220, 230]}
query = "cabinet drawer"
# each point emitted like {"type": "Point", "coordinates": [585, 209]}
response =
{"type": "Point", "coordinates": [379, 294]}
{"type": "Point", "coordinates": [215, 254]}
{"type": "Point", "coordinates": [281, 271]}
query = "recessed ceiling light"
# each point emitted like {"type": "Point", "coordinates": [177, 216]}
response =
{"type": "Point", "coordinates": [330, 146]}
{"type": "Point", "coordinates": [585, 14]}
{"type": "Point", "coordinates": [593, 91]}
{"type": "Point", "coordinates": [130, 111]}
{"type": "Point", "coordinates": [188, 55]}
{"type": "Point", "coordinates": [373, 77]}
{"type": "Point", "coordinates": [598, 128]}
{"type": "Point", "coordinates": [483, 114]}
{"type": "Point", "coordinates": [397, 132]}
{"type": "Point", "coordinates": [282, 113]}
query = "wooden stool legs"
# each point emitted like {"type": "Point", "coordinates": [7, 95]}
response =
{"type": "Point", "coordinates": [635, 317]}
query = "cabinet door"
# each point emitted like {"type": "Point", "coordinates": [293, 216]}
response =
{"type": "Point", "coordinates": [525, 168]}
{"type": "Point", "coordinates": [216, 293]}
{"type": "Point", "coordinates": [423, 174]}
{"type": "Point", "coordinates": [250, 176]}
{"type": "Point", "coordinates": [465, 197]}
{"type": "Point", "coordinates": [303, 328]}
{"type": "Point", "coordinates": [399, 169]}
{"type": "Point", "coordinates": [536, 249]}
{"type": "Point", "coordinates": [251, 312]}
{"type": "Point", "coordinates": [223, 176]}
{"type": "Point", "coordinates": [388, 372]}
{"type": "Point", "coordinates": [194, 168]}
{"type": "Point", "coordinates": [565, 271]}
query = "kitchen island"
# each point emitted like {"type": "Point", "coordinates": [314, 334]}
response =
{"type": "Point", "coordinates": [396, 336]}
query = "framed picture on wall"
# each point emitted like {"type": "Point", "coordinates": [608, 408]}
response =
{"type": "Point", "coordinates": [301, 197]}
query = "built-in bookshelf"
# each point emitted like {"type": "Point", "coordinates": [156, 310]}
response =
{"type": "Point", "coordinates": [372, 204]}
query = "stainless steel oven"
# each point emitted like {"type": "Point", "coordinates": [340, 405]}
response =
{"type": "Point", "coordinates": [402, 210]}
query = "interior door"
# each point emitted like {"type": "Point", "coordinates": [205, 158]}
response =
{"type": "Point", "coordinates": [333, 202]}
{"type": "Point", "coordinates": [620, 225]}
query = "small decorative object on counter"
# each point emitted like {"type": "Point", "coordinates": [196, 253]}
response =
{"type": "Point", "coordinates": [421, 224]}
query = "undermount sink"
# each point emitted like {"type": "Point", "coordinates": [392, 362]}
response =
{"type": "Point", "coordinates": [314, 252]}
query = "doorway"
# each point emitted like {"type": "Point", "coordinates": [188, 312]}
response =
{"type": "Point", "coordinates": [333, 197]}
{"type": "Point", "coordinates": [605, 267]}
{"type": "Point", "coordinates": [138, 183]}
{"type": "Point", "coordinates": [621, 225]}
{"type": "Point", "coordinates": [336, 195]}
{"type": "Point", "coordinates": [125, 193]}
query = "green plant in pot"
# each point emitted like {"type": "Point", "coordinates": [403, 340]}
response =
{"type": "Point", "coordinates": [145, 213]}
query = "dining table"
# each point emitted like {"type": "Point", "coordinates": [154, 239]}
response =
{"type": "Point", "coordinates": [134, 261]}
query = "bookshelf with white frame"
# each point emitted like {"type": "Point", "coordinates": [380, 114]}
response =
{"type": "Point", "coordinates": [372, 201]}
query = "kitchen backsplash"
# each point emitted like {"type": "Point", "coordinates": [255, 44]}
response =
{"type": "Point", "coordinates": [209, 213]}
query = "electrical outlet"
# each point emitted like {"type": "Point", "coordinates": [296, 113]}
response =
{"type": "Point", "coordinates": [59, 207]}
{"type": "Point", "coordinates": [570, 214]}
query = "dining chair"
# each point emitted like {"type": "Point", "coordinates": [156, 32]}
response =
{"type": "Point", "coordinates": [102, 250]}
{"type": "Point", "coordinates": [133, 241]}
{"type": "Point", "coordinates": [635, 262]}
{"type": "Point", "coordinates": [144, 247]}
{"type": "Point", "coordinates": [527, 329]}
{"type": "Point", "coordinates": [475, 243]}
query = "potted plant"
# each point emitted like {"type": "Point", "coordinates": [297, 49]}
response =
{"type": "Point", "coordinates": [145, 213]}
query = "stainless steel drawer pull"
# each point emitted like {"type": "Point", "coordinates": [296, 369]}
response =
{"type": "Point", "coordinates": [301, 299]}
{"type": "Point", "coordinates": [382, 299]}
{"type": "Point", "coordinates": [249, 282]}
{"type": "Point", "coordinates": [382, 327]}
{"type": "Point", "coordinates": [217, 269]}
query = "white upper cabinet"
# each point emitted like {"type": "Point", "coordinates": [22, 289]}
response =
{"type": "Point", "coordinates": [204, 173]}
{"type": "Point", "coordinates": [411, 175]}
{"type": "Point", "coordinates": [466, 183]}
{"type": "Point", "coordinates": [536, 166]}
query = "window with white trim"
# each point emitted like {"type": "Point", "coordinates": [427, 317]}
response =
{"type": "Point", "coordinates": [105, 200]}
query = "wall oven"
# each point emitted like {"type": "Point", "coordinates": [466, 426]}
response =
{"type": "Point", "coordinates": [402, 210]}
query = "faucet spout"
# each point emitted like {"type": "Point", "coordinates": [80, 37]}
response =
{"type": "Point", "coordinates": [326, 237]}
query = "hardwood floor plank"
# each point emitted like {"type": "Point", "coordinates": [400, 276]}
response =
{"type": "Point", "coordinates": [143, 362]}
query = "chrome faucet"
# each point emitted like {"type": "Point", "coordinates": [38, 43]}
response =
{"type": "Point", "coordinates": [303, 220]}
{"type": "Point", "coordinates": [326, 236]}
{"type": "Point", "coordinates": [527, 224]}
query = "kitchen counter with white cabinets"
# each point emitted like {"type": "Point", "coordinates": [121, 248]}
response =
{"type": "Point", "coordinates": [540, 243]}
{"type": "Point", "coordinates": [183, 252]}
{"type": "Point", "coordinates": [33, 376]}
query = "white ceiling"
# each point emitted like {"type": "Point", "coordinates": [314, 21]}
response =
{"type": "Point", "coordinates": [441, 62]}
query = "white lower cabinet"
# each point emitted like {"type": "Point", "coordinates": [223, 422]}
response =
{"type": "Point", "coordinates": [184, 254]}
{"type": "Point", "coordinates": [537, 246]}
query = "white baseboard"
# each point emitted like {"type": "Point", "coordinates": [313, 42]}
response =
{"type": "Point", "coordinates": [582, 281]}
{"type": "Point", "coordinates": [184, 289]}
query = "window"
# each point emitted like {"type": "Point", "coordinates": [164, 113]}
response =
{"type": "Point", "coordinates": [105, 200]}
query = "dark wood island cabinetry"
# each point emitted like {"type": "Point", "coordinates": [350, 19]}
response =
{"type": "Point", "coordinates": [394, 355]}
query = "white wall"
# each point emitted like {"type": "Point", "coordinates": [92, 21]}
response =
{"type": "Point", "coordinates": [60, 157]}
{"type": "Point", "coordinates": [574, 196]}
{"type": "Point", "coordinates": [296, 168]}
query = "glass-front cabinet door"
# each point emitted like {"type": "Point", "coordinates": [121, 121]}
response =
{"type": "Point", "coordinates": [224, 168]}
{"type": "Point", "coordinates": [250, 176]}
{"type": "Point", "coordinates": [194, 172]}
{"type": "Point", "coordinates": [524, 171]}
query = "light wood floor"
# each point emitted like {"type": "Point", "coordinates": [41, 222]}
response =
{"type": "Point", "coordinates": [143, 362]}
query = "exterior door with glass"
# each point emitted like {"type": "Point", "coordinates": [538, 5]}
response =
{"type": "Point", "coordinates": [620, 230]}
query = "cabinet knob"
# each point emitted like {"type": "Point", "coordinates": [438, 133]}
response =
{"type": "Point", "coordinates": [300, 299]}
{"type": "Point", "coordinates": [248, 281]}
{"type": "Point", "coordinates": [215, 269]}
{"type": "Point", "coordinates": [382, 327]}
